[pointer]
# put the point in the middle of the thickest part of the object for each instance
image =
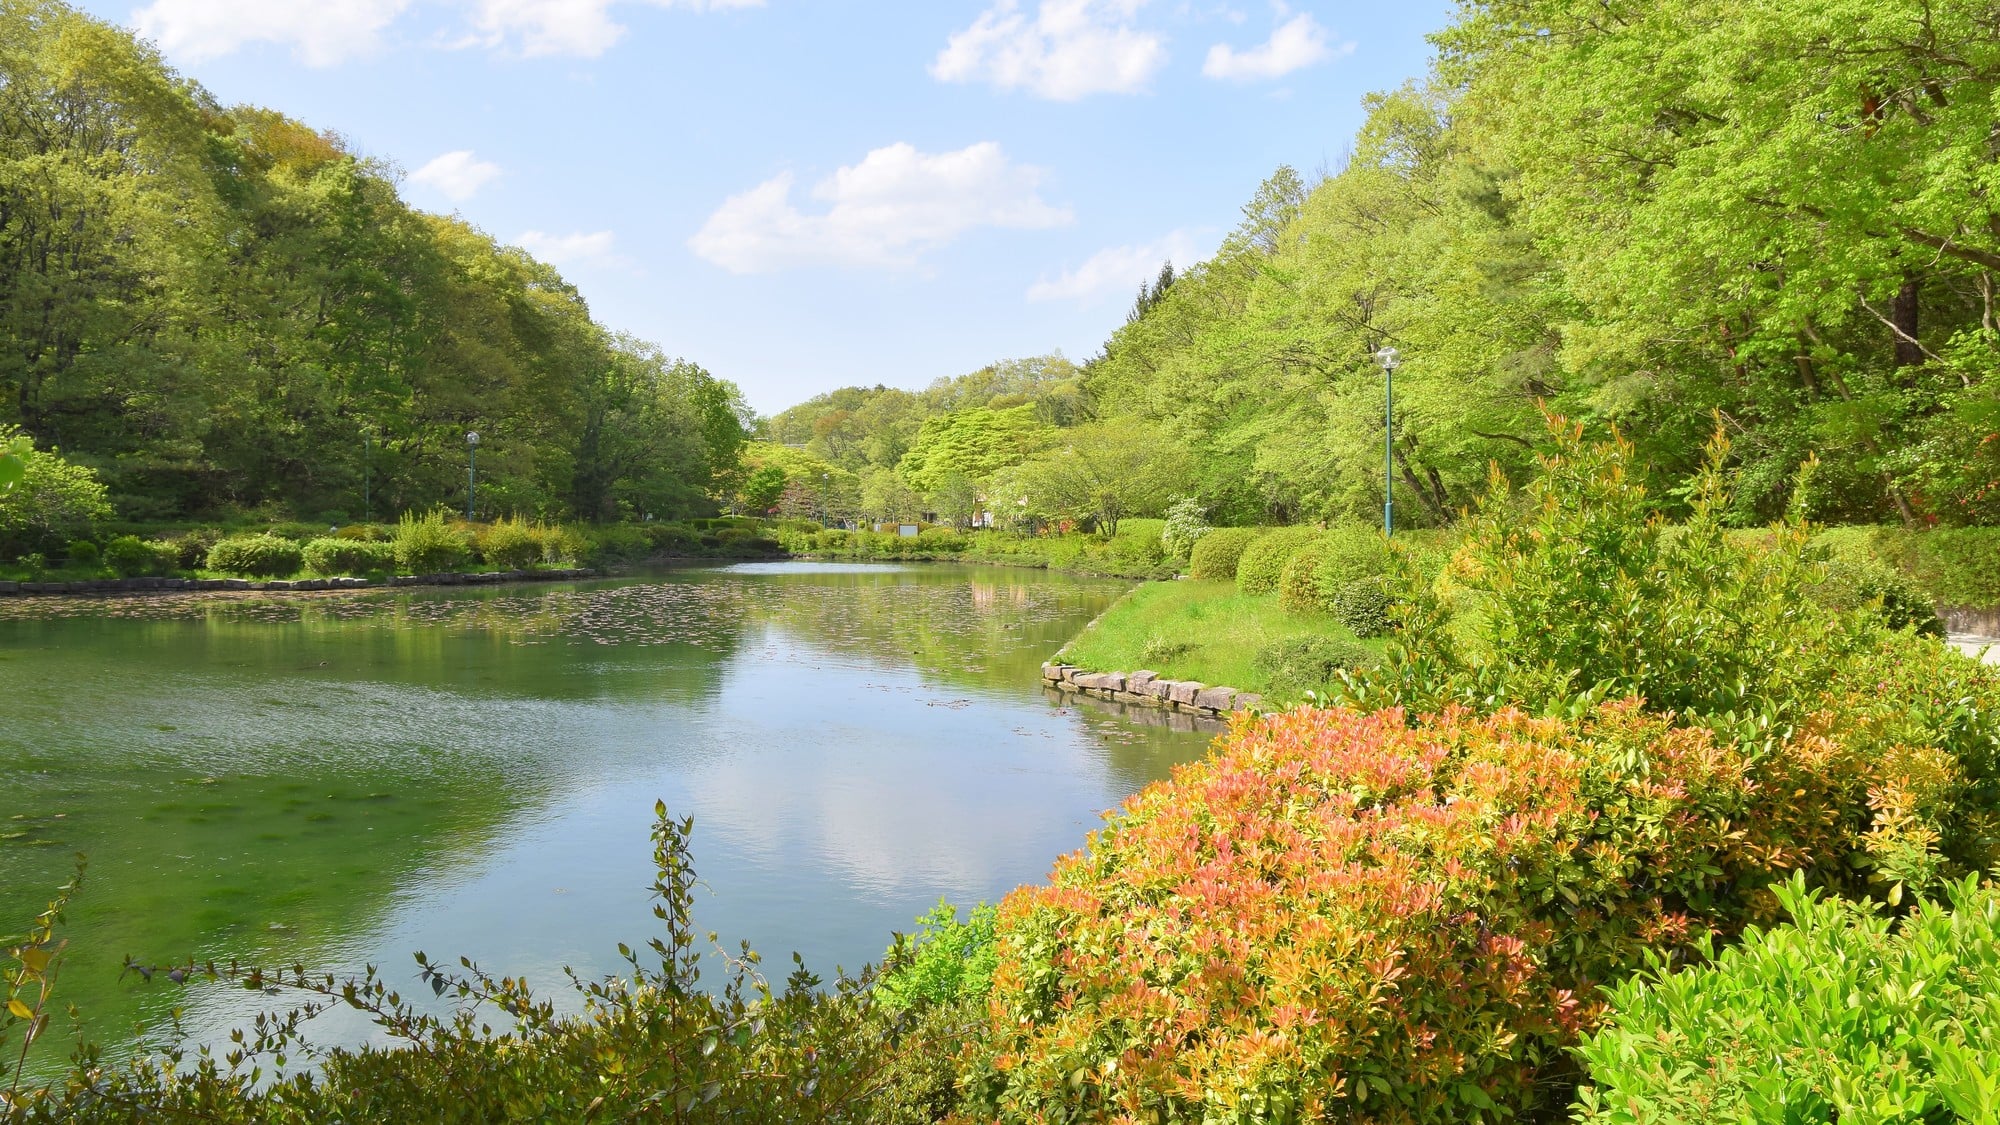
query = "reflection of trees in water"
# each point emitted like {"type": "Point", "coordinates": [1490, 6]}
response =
{"type": "Point", "coordinates": [961, 625]}
{"type": "Point", "coordinates": [1137, 740]}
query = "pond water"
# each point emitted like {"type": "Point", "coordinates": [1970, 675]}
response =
{"type": "Point", "coordinates": [343, 779]}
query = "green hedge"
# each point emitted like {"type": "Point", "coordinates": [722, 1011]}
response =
{"type": "Point", "coordinates": [332, 557]}
{"type": "Point", "coordinates": [256, 556]}
{"type": "Point", "coordinates": [1216, 554]}
{"type": "Point", "coordinates": [1263, 561]}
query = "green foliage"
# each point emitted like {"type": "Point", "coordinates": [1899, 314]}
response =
{"type": "Point", "coordinates": [973, 443]}
{"type": "Point", "coordinates": [430, 544]}
{"type": "Point", "coordinates": [1216, 554]}
{"type": "Point", "coordinates": [1704, 626]}
{"type": "Point", "coordinates": [1417, 908]}
{"type": "Point", "coordinates": [51, 503]}
{"type": "Point", "coordinates": [256, 556]}
{"type": "Point", "coordinates": [1861, 583]}
{"type": "Point", "coordinates": [331, 557]}
{"type": "Point", "coordinates": [1300, 667]}
{"type": "Point", "coordinates": [1960, 566]}
{"type": "Point", "coordinates": [1365, 607]}
{"type": "Point", "coordinates": [1312, 580]}
{"type": "Point", "coordinates": [947, 961]}
{"type": "Point", "coordinates": [1262, 563]}
{"type": "Point", "coordinates": [82, 552]}
{"type": "Point", "coordinates": [656, 1043]}
{"type": "Point", "coordinates": [133, 557]}
{"type": "Point", "coordinates": [509, 544]}
{"type": "Point", "coordinates": [1187, 524]}
{"type": "Point", "coordinates": [221, 308]}
{"type": "Point", "coordinates": [1842, 1015]}
{"type": "Point", "coordinates": [763, 487]}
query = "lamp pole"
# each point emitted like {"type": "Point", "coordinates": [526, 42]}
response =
{"type": "Point", "coordinates": [471, 470]}
{"type": "Point", "coordinates": [1389, 360]}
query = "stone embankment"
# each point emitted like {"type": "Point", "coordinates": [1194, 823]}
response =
{"type": "Point", "coordinates": [1147, 689]}
{"type": "Point", "coordinates": [115, 587]}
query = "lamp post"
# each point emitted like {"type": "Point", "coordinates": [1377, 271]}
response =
{"type": "Point", "coordinates": [367, 476]}
{"type": "Point", "coordinates": [1389, 360]}
{"type": "Point", "coordinates": [471, 470]}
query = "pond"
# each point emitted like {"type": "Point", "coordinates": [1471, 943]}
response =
{"type": "Point", "coordinates": [343, 779]}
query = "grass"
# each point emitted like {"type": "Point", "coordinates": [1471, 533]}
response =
{"type": "Point", "coordinates": [1194, 630]}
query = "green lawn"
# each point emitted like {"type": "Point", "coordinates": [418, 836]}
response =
{"type": "Point", "coordinates": [1193, 630]}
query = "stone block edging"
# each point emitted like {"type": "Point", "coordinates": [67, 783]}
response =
{"type": "Point", "coordinates": [121, 587]}
{"type": "Point", "coordinates": [1147, 689]}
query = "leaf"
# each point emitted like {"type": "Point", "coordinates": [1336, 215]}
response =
{"type": "Point", "coordinates": [19, 1010]}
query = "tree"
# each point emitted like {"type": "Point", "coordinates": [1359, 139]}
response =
{"type": "Point", "coordinates": [1102, 474]}
{"type": "Point", "coordinates": [956, 499]}
{"type": "Point", "coordinates": [762, 488]}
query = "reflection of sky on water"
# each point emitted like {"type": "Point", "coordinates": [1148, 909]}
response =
{"type": "Point", "coordinates": [860, 743]}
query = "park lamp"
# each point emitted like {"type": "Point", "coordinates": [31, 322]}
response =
{"type": "Point", "coordinates": [471, 470]}
{"type": "Point", "coordinates": [1390, 359]}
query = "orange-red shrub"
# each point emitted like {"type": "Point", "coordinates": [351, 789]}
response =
{"type": "Point", "coordinates": [1348, 916]}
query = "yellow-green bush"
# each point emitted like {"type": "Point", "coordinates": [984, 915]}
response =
{"type": "Point", "coordinates": [509, 544]}
{"type": "Point", "coordinates": [430, 544]}
{"type": "Point", "coordinates": [1216, 554]}
{"type": "Point", "coordinates": [1263, 561]}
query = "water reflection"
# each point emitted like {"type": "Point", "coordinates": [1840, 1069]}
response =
{"type": "Point", "coordinates": [345, 779]}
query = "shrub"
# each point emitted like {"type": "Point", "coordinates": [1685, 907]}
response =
{"type": "Point", "coordinates": [941, 539]}
{"type": "Point", "coordinates": [1263, 561]}
{"type": "Point", "coordinates": [561, 545]}
{"type": "Point", "coordinates": [256, 556]}
{"type": "Point", "coordinates": [132, 556]}
{"type": "Point", "coordinates": [331, 557]}
{"type": "Point", "coordinates": [53, 502]}
{"type": "Point", "coordinates": [945, 962]}
{"type": "Point", "coordinates": [508, 544]}
{"type": "Point", "coordinates": [82, 552]}
{"type": "Point", "coordinates": [1293, 666]}
{"type": "Point", "coordinates": [1868, 584]}
{"type": "Point", "coordinates": [661, 1043]}
{"type": "Point", "coordinates": [1960, 565]}
{"type": "Point", "coordinates": [1841, 1015]}
{"type": "Point", "coordinates": [670, 538]}
{"type": "Point", "coordinates": [1365, 608]}
{"type": "Point", "coordinates": [429, 544]}
{"type": "Point", "coordinates": [1215, 555]}
{"type": "Point", "coordinates": [1330, 562]}
{"type": "Point", "coordinates": [1186, 526]}
{"type": "Point", "coordinates": [373, 532]}
{"type": "Point", "coordinates": [190, 548]}
{"type": "Point", "coordinates": [619, 542]}
{"type": "Point", "coordinates": [1340, 916]}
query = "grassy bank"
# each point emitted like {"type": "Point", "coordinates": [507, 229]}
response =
{"type": "Point", "coordinates": [1208, 631]}
{"type": "Point", "coordinates": [1134, 552]}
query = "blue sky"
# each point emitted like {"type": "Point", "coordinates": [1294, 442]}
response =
{"type": "Point", "coordinates": [804, 194]}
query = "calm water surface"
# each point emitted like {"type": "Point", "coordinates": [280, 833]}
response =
{"type": "Point", "coordinates": [344, 779]}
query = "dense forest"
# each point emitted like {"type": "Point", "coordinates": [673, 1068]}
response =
{"type": "Point", "coordinates": [1642, 215]}
{"type": "Point", "coordinates": [222, 310]}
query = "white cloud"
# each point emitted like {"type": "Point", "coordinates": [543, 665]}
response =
{"type": "Point", "coordinates": [887, 210]}
{"type": "Point", "coordinates": [1297, 43]}
{"type": "Point", "coordinates": [1118, 269]}
{"type": "Point", "coordinates": [567, 249]}
{"type": "Point", "coordinates": [565, 27]}
{"type": "Point", "coordinates": [1071, 48]}
{"type": "Point", "coordinates": [320, 32]}
{"type": "Point", "coordinates": [457, 176]}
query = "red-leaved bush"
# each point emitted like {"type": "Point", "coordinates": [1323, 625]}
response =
{"type": "Point", "coordinates": [1354, 917]}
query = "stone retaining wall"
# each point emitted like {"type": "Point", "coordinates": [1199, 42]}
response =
{"type": "Point", "coordinates": [116, 587]}
{"type": "Point", "coordinates": [1147, 689]}
{"type": "Point", "coordinates": [1967, 621]}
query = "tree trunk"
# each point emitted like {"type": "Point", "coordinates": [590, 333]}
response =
{"type": "Point", "coordinates": [1903, 315]}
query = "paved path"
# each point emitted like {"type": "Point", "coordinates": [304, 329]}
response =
{"type": "Point", "coordinates": [1973, 646]}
